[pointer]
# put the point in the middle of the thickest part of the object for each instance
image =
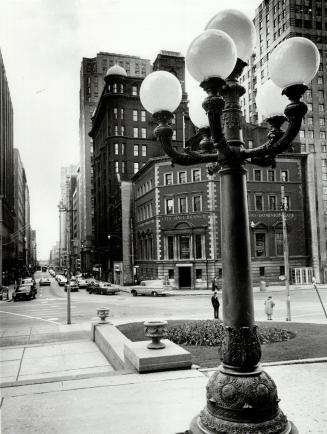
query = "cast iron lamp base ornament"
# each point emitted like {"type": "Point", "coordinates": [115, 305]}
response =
{"type": "Point", "coordinates": [241, 397]}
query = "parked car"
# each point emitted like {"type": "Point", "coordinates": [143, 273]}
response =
{"type": "Point", "coordinates": [82, 283]}
{"type": "Point", "coordinates": [44, 281]}
{"type": "Point", "coordinates": [26, 292]}
{"type": "Point", "coordinates": [152, 287]}
{"type": "Point", "coordinates": [4, 292]}
{"type": "Point", "coordinates": [103, 288]}
{"type": "Point", "coordinates": [61, 280]}
{"type": "Point", "coordinates": [73, 285]}
{"type": "Point", "coordinates": [27, 281]}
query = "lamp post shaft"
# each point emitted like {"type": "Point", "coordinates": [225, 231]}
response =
{"type": "Point", "coordinates": [286, 263]}
{"type": "Point", "coordinates": [236, 255]}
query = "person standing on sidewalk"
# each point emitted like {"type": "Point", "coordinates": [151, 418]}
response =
{"type": "Point", "coordinates": [269, 307]}
{"type": "Point", "coordinates": [215, 304]}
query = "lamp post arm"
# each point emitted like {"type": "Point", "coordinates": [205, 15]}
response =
{"type": "Point", "coordinates": [164, 133]}
{"type": "Point", "coordinates": [279, 140]}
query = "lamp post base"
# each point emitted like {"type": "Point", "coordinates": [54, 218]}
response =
{"type": "Point", "coordinates": [241, 403]}
{"type": "Point", "coordinates": [228, 427]}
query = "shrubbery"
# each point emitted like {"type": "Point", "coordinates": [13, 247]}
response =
{"type": "Point", "coordinates": [210, 333]}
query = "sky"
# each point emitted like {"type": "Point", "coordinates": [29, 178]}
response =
{"type": "Point", "coordinates": [42, 44]}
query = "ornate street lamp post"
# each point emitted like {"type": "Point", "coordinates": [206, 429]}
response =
{"type": "Point", "coordinates": [241, 397]}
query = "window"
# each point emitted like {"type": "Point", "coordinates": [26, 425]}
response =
{"type": "Point", "coordinates": [143, 132]}
{"type": "Point", "coordinates": [143, 150]}
{"type": "Point", "coordinates": [171, 273]}
{"type": "Point", "coordinates": [309, 107]}
{"type": "Point", "coordinates": [182, 205]}
{"type": "Point", "coordinates": [122, 130]}
{"type": "Point", "coordinates": [170, 247]}
{"type": "Point", "coordinates": [284, 175]}
{"type": "Point", "coordinates": [279, 244]}
{"type": "Point", "coordinates": [257, 174]}
{"type": "Point", "coordinates": [122, 114]}
{"type": "Point", "coordinates": [114, 88]}
{"type": "Point", "coordinates": [136, 167]}
{"type": "Point", "coordinates": [311, 147]}
{"type": "Point", "coordinates": [197, 203]}
{"type": "Point", "coordinates": [116, 148]}
{"type": "Point", "coordinates": [168, 178]}
{"type": "Point", "coordinates": [198, 274]}
{"type": "Point", "coordinates": [286, 203]}
{"type": "Point", "coordinates": [272, 203]}
{"type": "Point", "coordinates": [136, 150]}
{"type": "Point", "coordinates": [143, 116]}
{"type": "Point", "coordinates": [260, 244]}
{"type": "Point", "coordinates": [198, 246]}
{"type": "Point", "coordinates": [174, 135]}
{"type": "Point", "coordinates": [123, 167]}
{"type": "Point", "coordinates": [310, 134]}
{"type": "Point", "coordinates": [115, 113]}
{"type": "Point", "coordinates": [184, 247]}
{"type": "Point", "coordinates": [261, 271]}
{"type": "Point", "coordinates": [320, 80]}
{"type": "Point", "coordinates": [323, 148]}
{"type": "Point", "coordinates": [250, 144]}
{"type": "Point", "coordinates": [123, 148]}
{"type": "Point", "coordinates": [258, 202]}
{"type": "Point", "coordinates": [322, 135]}
{"type": "Point", "coordinates": [271, 175]}
{"type": "Point", "coordinates": [134, 90]}
{"type": "Point", "coordinates": [321, 122]}
{"type": "Point", "coordinates": [121, 88]}
{"type": "Point", "coordinates": [135, 132]}
{"type": "Point", "coordinates": [321, 108]}
{"type": "Point", "coordinates": [169, 206]}
{"type": "Point", "coordinates": [310, 121]}
{"type": "Point", "coordinates": [320, 94]}
{"type": "Point", "coordinates": [302, 134]}
{"type": "Point", "coordinates": [196, 175]}
{"type": "Point", "coordinates": [181, 177]}
{"type": "Point", "coordinates": [135, 115]}
{"type": "Point", "coordinates": [116, 130]}
{"type": "Point", "coordinates": [116, 167]}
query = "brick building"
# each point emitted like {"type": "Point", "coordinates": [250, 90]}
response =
{"type": "Point", "coordinates": [123, 141]}
{"type": "Point", "coordinates": [177, 220]}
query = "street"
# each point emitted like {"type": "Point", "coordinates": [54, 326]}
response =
{"type": "Point", "coordinates": [50, 307]}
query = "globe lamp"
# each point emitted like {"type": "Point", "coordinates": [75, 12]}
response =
{"type": "Point", "coordinates": [270, 101]}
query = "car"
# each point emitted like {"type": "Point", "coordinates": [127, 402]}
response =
{"type": "Point", "coordinates": [103, 288]}
{"type": "Point", "coordinates": [152, 287]}
{"type": "Point", "coordinates": [44, 281]}
{"type": "Point", "coordinates": [72, 284]}
{"type": "Point", "coordinates": [52, 272]}
{"type": "Point", "coordinates": [91, 283]}
{"type": "Point", "coordinates": [4, 292]}
{"type": "Point", "coordinates": [26, 292]}
{"type": "Point", "coordinates": [61, 280]}
{"type": "Point", "coordinates": [27, 281]}
{"type": "Point", "coordinates": [82, 283]}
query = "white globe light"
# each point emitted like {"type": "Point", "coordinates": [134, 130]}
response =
{"type": "Point", "coordinates": [270, 101]}
{"type": "Point", "coordinates": [239, 27]}
{"type": "Point", "coordinates": [211, 54]}
{"type": "Point", "coordinates": [160, 91]}
{"type": "Point", "coordinates": [294, 61]}
{"type": "Point", "coordinates": [196, 111]}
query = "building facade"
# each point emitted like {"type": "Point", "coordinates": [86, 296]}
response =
{"type": "Point", "coordinates": [92, 73]}
{"type": "Point", "coordinates": [275, 21]}
{"type": "Point", "coordinates": [177, 227]}
{"type": "Point", "coordinates": [7, 213]}
{"type": "Point", "coordinates": [123, 141]}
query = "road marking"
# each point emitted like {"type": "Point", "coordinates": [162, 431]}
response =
{"type": "Point", "coordinates": [31, 317]}
{"type": "Point", "coordinates": [52, 319]}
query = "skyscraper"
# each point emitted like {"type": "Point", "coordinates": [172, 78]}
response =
{"type": "Point", "coordinates": [92, 74]}
{"type": "Point", "coordinates": [275, 21]}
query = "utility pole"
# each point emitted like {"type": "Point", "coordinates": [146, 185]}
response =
{"type": "Point", "coordinates": [284, 207]}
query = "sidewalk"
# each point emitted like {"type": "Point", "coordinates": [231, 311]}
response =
{"type": "Point", "coordinates": [156, 403]}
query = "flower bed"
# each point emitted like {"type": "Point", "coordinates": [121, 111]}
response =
{"type": "Point", "coordinates": [210, 333]}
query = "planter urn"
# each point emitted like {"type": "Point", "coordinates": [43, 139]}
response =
{"type": "Point", "coordinates": [155, 330]}
{"type": "Point", "coordinates": [103, 313]}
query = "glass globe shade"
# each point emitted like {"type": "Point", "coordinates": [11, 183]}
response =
{"type": "Point", "coordinates": [239, 27]}
{"type": "Point", "coordinates": [294, 61]}
{"type": "Point", "coordinates": [160, 91]}
{"type": "Point", "coordinates": [211, 54]}
{"type": "Point", "coordinates": [196, 111]}
{"type": "Point", "coordinates": [270, 101]}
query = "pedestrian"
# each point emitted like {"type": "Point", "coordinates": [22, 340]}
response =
{"type": "Point", "coordinates": [215, 304]}
{"type": "Point", "coordinates": [269, 307]}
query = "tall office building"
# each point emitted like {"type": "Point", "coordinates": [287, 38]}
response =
{"type": "Point", "coordinates": [6, 176]}
{"type": "Point", "coordinates": [92, 74]}
{"type": "Point", "coordinates": [275, 21]}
